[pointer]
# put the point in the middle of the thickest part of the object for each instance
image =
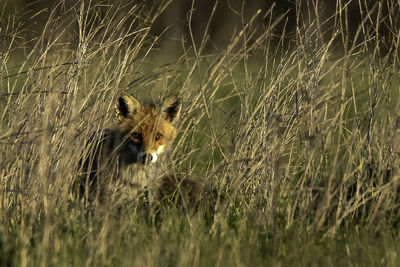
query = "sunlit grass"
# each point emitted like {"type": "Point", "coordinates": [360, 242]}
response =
{"type": "Point", "coordinates": [298, 144]}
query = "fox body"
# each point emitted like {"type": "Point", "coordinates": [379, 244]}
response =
{"type": "Point", "coordinates": [142, 135]}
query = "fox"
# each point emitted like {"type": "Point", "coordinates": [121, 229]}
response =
{"type": "Point", "coordinates": [144, 132]}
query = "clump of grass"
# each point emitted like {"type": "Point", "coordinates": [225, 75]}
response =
{"type": "Point", "coordinates": [297, 139]}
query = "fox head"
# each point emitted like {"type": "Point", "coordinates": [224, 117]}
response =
{"type": "Point", "coordinates": [148, 129]}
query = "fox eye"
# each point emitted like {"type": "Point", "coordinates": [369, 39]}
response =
{"type": "Point", "coordinates": [136, 135]}
{"type": "Point", "coordinates": [159, 136]}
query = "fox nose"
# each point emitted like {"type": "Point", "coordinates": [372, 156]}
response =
{"type": "Point", "coordinates": [146, 158]}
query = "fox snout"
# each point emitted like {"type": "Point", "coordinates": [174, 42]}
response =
{"type": "Point", "coordinates": [141, 157]}
{"type": "Point", "coordinates": [146, 158]}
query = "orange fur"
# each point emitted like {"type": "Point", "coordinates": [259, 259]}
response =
{"type": "Point", "coordinates": [149, 128]}
{"type": "Point", "coordinates": [143, 133]}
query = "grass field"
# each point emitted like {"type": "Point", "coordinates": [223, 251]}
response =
{"type": "Point", "coordinates": [298, 138]}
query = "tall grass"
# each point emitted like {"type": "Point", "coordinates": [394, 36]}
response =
{"type": "Point", "coordinates": [298, 138]}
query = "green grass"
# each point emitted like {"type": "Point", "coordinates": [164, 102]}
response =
{"type": "Point", "coordinates": [299, 144]}
{"type": "Point", "coordinates": [178, 241]}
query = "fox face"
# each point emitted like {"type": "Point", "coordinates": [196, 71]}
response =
{"type": "Point", "coordinates": [146, 129]}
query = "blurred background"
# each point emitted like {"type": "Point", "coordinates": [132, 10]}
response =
{"type": "Point", "coordinates": [217, 22]}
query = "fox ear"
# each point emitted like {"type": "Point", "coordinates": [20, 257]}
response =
{"type": "Point", "coordinates": [126, 106]}
{"type": "Point", "coordinates": [171, 107]}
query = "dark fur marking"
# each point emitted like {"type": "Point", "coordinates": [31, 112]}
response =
{"type": "Point", "coordinates": [172, 110]}
{"type": "Point", "coordinates": [123, 107]}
